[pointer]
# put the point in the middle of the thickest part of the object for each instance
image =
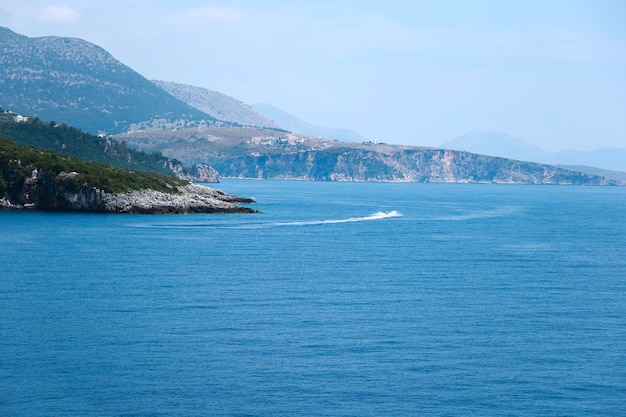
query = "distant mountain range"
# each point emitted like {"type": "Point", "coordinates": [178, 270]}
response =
{"type": "Point", "coordinates": [506, 146]}
{"type": "Point", "coordinates": [218, 105]}
{"type": "Point", "coordinates": [229, 109]}
{"type": "Point", "coordinates": [296, 125]}
{"type": "Point", "coordinates": [76, 82]}
{"type": "Point", "coordinates": [73, 82]}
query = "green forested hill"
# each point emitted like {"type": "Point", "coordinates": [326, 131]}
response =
{"type": "Point", "coordinates": [63, 139]}
{"type": "Point", "coordinates": [19, 163]}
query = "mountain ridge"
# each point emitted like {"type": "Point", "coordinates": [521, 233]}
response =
{"type": "Point", "coordinates": [81, 84]}
{"type": "Point", "coordinates": [218, 105]}
{"type": "Point", "coordinates": [297, 125]}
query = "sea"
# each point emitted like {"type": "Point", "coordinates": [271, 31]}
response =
{"type": "Point", "coordinates": [337, 299]}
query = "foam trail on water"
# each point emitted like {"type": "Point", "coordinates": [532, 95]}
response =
{"type": "Point", "coordinates": [376, 216]}
{"type": "Point", "coordinates": [380, 215]}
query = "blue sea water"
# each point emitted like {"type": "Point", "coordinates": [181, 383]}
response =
{"type": "Point", "coordinates": [338, 299]}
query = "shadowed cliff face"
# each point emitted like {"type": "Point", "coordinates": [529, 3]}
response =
{"type": "Point", "coordinates": [64, 192]}
{"type": "Point", "coordinates": [43, 191]}
{"type": "Point", "coordinates": [36, 179]}
{"type": "Point", "coordinates": [416, 165]}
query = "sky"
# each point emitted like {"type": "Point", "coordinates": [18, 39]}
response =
{"type": "Point", "coordinates": [552, 73]}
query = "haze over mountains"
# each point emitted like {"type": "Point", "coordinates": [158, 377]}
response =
{"type": "Point", "coordinates": [497, 144]}
{"type": "Point", "coordinates": [73, 81]}
{"type": "Point", "coordinates": [507, 146]}
{"type": "Point", "coordinates": [294, 124]}
{"type": "Point", "coordinates": [223, 107]}
{"type": "Point", "coordinates": [218, 105]}
{"type": "Point", "coordinates": [79, 83]}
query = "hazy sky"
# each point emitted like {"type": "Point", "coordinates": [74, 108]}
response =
{"type": "Point", "coordinates": [550, 72]}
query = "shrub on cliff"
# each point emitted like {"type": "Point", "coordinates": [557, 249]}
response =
{"type": "Point", "coordinates": [17, 163]}
{"type": "Point", "coordinates": [68, 140]}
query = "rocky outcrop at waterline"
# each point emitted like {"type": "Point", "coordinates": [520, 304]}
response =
{"type": "Point", "coordinates": [40, 180]}
{"type": "Point", "coordinates": [192, 198]}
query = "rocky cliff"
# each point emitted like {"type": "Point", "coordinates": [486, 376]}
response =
{"type": "Point", "coordinates": [408, 165]}
{"type": "Point", "coordinates": [265, 154]}
{"type": "Point", "coordinates": [35, 179]}
{"type": "Point", "coordinates": [41, 191]}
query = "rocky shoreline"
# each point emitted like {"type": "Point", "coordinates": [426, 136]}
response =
{"type": "Point", "coordinates": [191, 198]}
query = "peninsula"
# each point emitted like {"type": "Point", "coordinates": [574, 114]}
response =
{"type": "Point", "coordinates": [42, 180]}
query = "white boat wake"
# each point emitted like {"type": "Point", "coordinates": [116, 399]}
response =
{"type": "Point", "coordinates": [380, 215]}
{"type": "Point", "coordinates": [254, 225]}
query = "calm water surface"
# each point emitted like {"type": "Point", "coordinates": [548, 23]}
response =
{"type": "Point", "coordinates": [339, 299]}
